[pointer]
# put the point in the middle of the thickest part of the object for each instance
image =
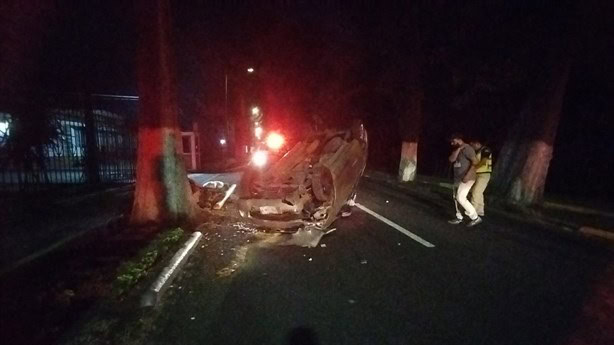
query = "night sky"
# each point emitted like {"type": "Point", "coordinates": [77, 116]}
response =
{"type": "Point", "coordinates": [478, 63]}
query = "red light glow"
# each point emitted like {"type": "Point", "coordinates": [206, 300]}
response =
{"type": "Point", "coordinates": [275, 141]}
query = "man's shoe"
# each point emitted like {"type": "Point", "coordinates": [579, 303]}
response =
{"type": "Point", "coordinates": [455, 221]}
{"type": "Point", "coordinates": [475, 222]}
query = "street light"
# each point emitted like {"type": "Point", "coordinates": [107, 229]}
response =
{"type": "Point", "coordinates": [250, 70]}
{"type": "Point", "coordinates": [255, 111]}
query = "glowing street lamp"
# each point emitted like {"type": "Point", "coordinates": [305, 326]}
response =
{"type": "Point", "coordinates": [255, 111]}
{"type": "Point", "coordinates": [250, 70]}
{"type": "Point", "coordinates": [223, 142]}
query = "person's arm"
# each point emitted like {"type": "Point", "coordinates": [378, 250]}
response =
{"type": "Point", "coordinates": [454, 154]}
{"type": "Point", "coordinates": [470, 154]}
{"type": "Point", "coordinates": [470, 175]}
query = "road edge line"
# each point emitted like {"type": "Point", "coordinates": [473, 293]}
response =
{"type": "Point", "coordinates": [157, 288]}
{"type": "Point", "coordinates": [396, 226]}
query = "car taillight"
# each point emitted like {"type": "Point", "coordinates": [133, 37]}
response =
{"type": "Point", "coordinates": [275, 141]}
{"type": "Point", "coordinates": [260, 158]}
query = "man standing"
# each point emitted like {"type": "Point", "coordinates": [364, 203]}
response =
{"type": "Point", "coordinates": [464, 160]}
{"type": "Point", "coordinates": [483, 171]}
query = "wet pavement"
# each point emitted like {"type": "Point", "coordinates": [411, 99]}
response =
{"type": "Point", "coordinates": [394, 272]}
{"type": "Point", "coordinates": [369, 283]}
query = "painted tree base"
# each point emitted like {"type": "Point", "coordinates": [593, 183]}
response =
{"type": "Point", "coordinates": [409, 161]}
{"type": "Point", "coordinates": [162, 192]}
{"type": "Point", "coordinates": [528, 188]}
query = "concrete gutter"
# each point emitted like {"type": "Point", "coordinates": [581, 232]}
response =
{"type": "Point", "coordinates": [155, 291]}
{"type": "Point", "coordinates": [594, 232]}
{"type": "Point", "coordinates": [577, 209]}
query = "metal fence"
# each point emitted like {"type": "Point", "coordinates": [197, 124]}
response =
{"type": "Point", "coordinates": [59, 140]}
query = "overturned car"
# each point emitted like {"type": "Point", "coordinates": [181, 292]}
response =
{"type": "Point", "coordinates": [306, 188]}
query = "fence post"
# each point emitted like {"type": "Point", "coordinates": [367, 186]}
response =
{"type": "Point", "coordinates": [91, 145]}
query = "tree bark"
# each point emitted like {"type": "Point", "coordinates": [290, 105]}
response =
{"type": "Point", "coordinates": [409, 161]}
{"type": "Point", "coordinates": [411, 125]}
{"type": "Point", "coordinates": [411, 111]}
{"type": "Point", "coordinates": [522, 168]}
{"type": "Point", "coordinates": [162, 190]}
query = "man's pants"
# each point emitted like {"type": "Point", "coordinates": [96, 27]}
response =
{"type": "Point", "coordinates": [477, 193]}
{"type": "Point", "coordinates": [460, 197]}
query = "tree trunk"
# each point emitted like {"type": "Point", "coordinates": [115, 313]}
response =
{"type": "Point", "coordinates": [162, 190]}
{"type": "Point", "coordinates": [411, 125]}
{"type": "Point", "coordinates": [410, 107]}
{"type": "Point", "coordinates": [521, 171]}
{"type": "Point", "coordinates": [409, 161]}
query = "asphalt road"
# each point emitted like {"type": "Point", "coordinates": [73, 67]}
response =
{"type": "Point", "coordinates": [368, 283]}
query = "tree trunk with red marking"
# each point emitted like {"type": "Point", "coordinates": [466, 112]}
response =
{"type": "Point", "coordinates": [410, 123]}
{"type": "Point", "coordinates": [162, 190]}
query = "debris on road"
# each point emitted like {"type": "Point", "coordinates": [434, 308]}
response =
{"type": "Point", "coordinates": [305, 237]}
{"type": "Point", "coordinates": [329, 231]}
{"type": "Point", "coordinates": [210, 194]}
{"type": "Point", "coordinates": [220, 204]}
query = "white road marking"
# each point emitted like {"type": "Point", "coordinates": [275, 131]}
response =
{"type": "Point", "coordinates": [397, 227]}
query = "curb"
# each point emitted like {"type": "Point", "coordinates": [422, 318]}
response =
{"type": "Point", "coordinates": [155, 291]}
{"type": "Point", "coordinates": [594, 232]}
{"type": "Point", "coordinates": [576, 209]}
